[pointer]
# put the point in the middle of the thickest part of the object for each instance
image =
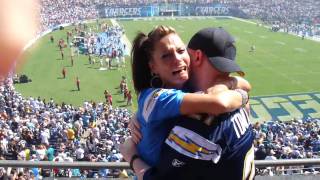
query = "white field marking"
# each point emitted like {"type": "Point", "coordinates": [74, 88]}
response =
{"type": "Point", "coordinates": [124, 37]}
{"type": "Point", "coordinates": [235, 27]}
{"type": "Point", "coordinates": [272, 70]}
{"type": "Point", "coordinates": [300, 50]}
{"type": "Point", "coordinates": [282, 74]}
{"type": "Point", "coordinates": [180, 26]}
{"type": "Point", "coordinates": [280, 42]}
{"type": "Point", "coordinates": [248, 32]}
{"type": "Point", "coordinates": [263, 37]}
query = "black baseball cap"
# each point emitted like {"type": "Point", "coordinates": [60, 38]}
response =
{"type": "Point", "coordinates": [219, 47]}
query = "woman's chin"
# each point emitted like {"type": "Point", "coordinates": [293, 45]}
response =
{"type": "Point", "coordinates": [180, 83]}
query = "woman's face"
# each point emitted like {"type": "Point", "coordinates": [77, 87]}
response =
{"type": "Point", "coordinates": [170, 60]}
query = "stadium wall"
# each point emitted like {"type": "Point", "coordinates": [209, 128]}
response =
{"type": "Point", "coordinates": [39, 36]}
{"type": "Point", "coordinates": [171, 9]}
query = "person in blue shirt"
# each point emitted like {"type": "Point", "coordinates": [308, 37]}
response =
{"type": "Point", "coordinates": [160, 67]}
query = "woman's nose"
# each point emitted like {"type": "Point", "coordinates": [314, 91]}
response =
{"type": "Point", "coordinates": [178, 57]}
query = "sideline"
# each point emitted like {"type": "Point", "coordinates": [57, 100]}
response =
{"type": "Point", "coordinates": [314, 38]}
{"type": "Point", "coordinates": [124, 37]}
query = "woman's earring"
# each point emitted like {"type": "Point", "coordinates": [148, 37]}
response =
{"type": "Point", "coordinates": [155, 81]}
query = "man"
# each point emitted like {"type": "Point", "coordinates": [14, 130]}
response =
{"type": "Point", "coordinates": [78, 83]}
{"type": "Point", "coordinates": [192, 149]}
{"type": "Point", "coordinates": [64, 72]}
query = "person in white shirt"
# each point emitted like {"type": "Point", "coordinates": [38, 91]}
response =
{"type": "Point", "coordinates": [45, 136]}
{"type": "Point", "coordinates": [271, 156]}
{"type": "Point", "coordinates": [79, 153]}
{"type": "Point", "coordinates": [41, 152]}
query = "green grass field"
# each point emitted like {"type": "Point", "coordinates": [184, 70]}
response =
{"type": "Point", "coordinates": [44, 66]}
{"type": "Point", "coordinates": [281, 63]}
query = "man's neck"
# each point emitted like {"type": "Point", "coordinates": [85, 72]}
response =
{"type": "Point", "coordinates": [204, 83]}
{"type": "Point", "coordinates": [203, 79]}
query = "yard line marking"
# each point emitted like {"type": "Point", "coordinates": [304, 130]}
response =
{"type": "Point", "coordinates": [248, 32]}
{"type": "Point", "coordinates": [280, 42]}
{"type": "Point", "coordinates": [263, 37]}
{"type": "Point", "coordinates": [300, 49]}
{"type": "Point", "coordinates": [124, 37]}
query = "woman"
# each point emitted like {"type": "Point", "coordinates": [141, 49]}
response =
{"type": "Point", "coordinates": [159, 62]}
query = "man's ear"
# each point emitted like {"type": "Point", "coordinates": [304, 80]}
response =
{"type": "Point", "coordinates": [198, 57]}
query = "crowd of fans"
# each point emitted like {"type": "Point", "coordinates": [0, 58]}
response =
{"type": "Point", "coordinates": [33, 129]}
{"type": "Point", "coordinates": [53, 13]}
{"type": "Point", "coordinates": [296, 139]}
{"type": "Point", "coordinates": [296, 16]}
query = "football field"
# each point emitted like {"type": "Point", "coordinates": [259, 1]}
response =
{"type": "Point", "coordinates": [280, 65]}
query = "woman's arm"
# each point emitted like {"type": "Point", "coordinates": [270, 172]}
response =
{"type": "Point", "coordinates": [157, 105]}
{"type": "Point", "coordinates": [223, 98]}
{"type": "Point", "coordinates": [213, 104]}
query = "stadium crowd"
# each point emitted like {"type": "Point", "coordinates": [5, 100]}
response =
{"type": "Point", "coordinates": [33, 129]}
{"type": "Point", "coordinates": [53, 13]}
{"type": "Point", "coordinates": [296, 139]}
{"type": "Point", "coordinates": [296, 16]}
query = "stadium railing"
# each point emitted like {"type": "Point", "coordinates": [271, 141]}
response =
{"type": "Point", "coordinates": [125, 165]}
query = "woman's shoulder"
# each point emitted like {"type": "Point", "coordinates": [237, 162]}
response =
{"type": "Point", "coordinates": [157, 94]}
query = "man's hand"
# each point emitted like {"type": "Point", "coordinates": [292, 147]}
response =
{"type": "Point", "coordinates": [134, 127]}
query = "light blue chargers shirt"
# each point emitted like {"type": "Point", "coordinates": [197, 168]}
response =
{"type": "Point", "coordinates": [156, 110]}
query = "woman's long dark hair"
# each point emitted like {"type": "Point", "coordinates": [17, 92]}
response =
{"type": "Point", "coordinates": [141, 55]}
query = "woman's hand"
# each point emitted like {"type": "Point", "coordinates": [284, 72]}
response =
{"type": "Point", "coordinates": [128, 149]}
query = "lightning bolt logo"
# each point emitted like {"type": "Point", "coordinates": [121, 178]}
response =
{"type": "Point", "coordinates": [188, 145]}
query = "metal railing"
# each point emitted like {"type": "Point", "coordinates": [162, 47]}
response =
{"type": "Point", "coordinates": [72, 165]}
{"type": "Point", "coordinates": [125, 165]}
{"type": "Point", "coordinates": [287, 162]}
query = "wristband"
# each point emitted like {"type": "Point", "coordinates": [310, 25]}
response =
{"type": "Point", "coordinates": [134, 157]}
{"type": "Point", "coordinates": [244, 95]}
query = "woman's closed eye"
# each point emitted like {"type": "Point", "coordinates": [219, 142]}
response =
{"type": "Point", "coordinates": [171, 54]}
{"type": "Point", "coordinates": [166, 55]}
{"type": "Point", "coordinates": [181, 51]}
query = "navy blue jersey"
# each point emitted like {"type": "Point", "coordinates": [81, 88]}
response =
{"type": "Point", "coordinates": [194, 150]}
